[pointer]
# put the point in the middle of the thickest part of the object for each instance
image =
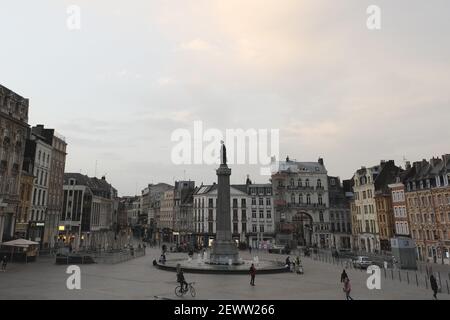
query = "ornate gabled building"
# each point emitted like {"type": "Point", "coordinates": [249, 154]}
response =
{"type": "Point", "coordinates": [13, 134]}
{"type": "Point", "coordinates": [301, 202]}
{"type": "Point", "coordinates": [428, 203]}
{"type": "Point", "coordinates": [371, 207]}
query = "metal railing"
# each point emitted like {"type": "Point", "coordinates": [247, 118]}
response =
{"type": "Point", "coordinates": [418, 278]}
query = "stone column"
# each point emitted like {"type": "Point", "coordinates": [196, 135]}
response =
{"type": "Point", "coordinates": [224, 248]}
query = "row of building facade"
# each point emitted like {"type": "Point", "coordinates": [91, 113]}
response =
{"type": "Point", "coordinates": [302, 205]}
{"type": "Point", "coordinates": [32, 164]}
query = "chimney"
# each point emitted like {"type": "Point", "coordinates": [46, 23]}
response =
{"type": "Point", "coordinates": [103, 178]}
{"type": "Point", "coordinates": [248, 181]}
{"type": "Point", "coordinates": [321, 161]}
{"type": "Point", "coordinates": [408, 165]}
{"type": "Point", "coordinates": [287, 159]}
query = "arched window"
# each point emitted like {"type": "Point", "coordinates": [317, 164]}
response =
{"type": "Point", "coordinates": [320, 199]}
{"type": "Point", "coordinates": [292, 198]}
{"type": "Point", "coordinates": [308, 198]}
{"type": "Point", "coordinates": [292, 182]}
{"type": "Point", "coordinates": [300, 183]}
{"type": "Point", "coordinates": [300, 198]}
{"type": "Point", "coordinates": [307, 182]}
{"type": "Point", "coordinates": [319, 183]}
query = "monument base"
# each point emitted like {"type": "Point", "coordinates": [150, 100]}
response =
{"type": "Point", "coordinates": [224, 252]}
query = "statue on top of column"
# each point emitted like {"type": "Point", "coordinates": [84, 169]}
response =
{"type": "Point", "coordinates": [223, 153]}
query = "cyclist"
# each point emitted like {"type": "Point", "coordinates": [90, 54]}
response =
{"type": "Point", "coordinates": [181, 280]}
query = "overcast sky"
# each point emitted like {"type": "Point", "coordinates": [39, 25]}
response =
{"type": "Point", "coordinates": [140, 69]}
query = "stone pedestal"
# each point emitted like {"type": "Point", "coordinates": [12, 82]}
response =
{"type": "Point", "coordinates": [224, 248]}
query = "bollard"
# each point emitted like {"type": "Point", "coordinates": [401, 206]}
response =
{"type": "Point", "coordinates": [407, 276]}
{"type": "Point", "coordinates": [399, 276]}
{"type": "Point", "coordinates": [417, 280]}
{"type": "Point", "coordinates": [392, 274]}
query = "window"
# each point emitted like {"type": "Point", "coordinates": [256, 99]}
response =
{"type": "Point", "coordinates": [235, 203]}
{"type": "Point", "coordinates": [261, 214]}
{"type": "Point", "coordinates": [261, 228]}
{"type": "Point", "coordinates": [243, 203]}
{"type": "Point", "coordinates": [261, 201]}
{"type": "Point", "coordinates": [253, 201]}
{"type": "Point", "coordinates": [292, 198]}
{"type": "Point", "coordinates": [269, 214]}
{"type": "Point", "coordinates": [321, 217]}
{"type": "Point", "coordinates": [254, 228]}
{"type": "Point", "coordinates": [244, 215]}
{"type": "Point", "coordinates": [244, 227]}
{"type": "Point", "coordinates": [253, 214]}
{"type": "Point", "coordinates": [307, 182]}
{"type": "Point", "coordinates": [268, 202]}
{"type": "Point", "coordinates": [319, 183]}
{"type": "Point", "coordinates": [292, 182]}
{"type": "Point", "coordinates": [320, 199]}
{"type": "Point", "coordinates": [235, 228]}
{"type": "Point", "coordinates": [300, 198]}
{"type": "Point", "coordinates": [308, 199]}
{"type": "Point", "coordinates": [235, 215]}
{"type": "Point", "coordinates": [300, 182]}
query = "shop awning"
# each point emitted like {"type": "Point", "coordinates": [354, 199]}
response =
{"type": "Point", "coordinates": [20, 243]}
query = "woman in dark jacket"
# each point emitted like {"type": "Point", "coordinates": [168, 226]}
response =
{"type": "Point", "coordinates": [434, 286]}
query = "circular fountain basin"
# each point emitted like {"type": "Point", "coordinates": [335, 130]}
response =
{"type": "Point", "coordinates": [195, 266]}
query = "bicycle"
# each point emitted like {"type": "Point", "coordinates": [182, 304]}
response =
{"type": "Point", "coordinates": [179, 291]}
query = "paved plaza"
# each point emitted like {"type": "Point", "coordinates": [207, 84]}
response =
{"type": "Point", "coordinates": [138, 280]}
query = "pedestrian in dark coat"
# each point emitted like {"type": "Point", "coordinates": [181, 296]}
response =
{"type": "Point", "coordinates": [343, 276]}
{"type": "Point", "coordinates": [252, 275]}
{"type": "Point", "coordinates": [434, 286]}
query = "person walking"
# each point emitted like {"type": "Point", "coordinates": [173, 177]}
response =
{"type": "Point", "coordinates": [288, 263]}
{"type": "Point", "coordinates": [252, 275]}
{"type": "Point", "coordinates": [343, 276]}
{"type": "Point", "coordinates": [347, 288]}
{"type": "Point", "coordinates": [4, 263]}
{"type": "Point", "coordinates": [250, 249]}
{"type": "Point", "coordinates": [434, 286]}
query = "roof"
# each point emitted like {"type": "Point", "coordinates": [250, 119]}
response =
{"type": "Point", "coordinates": [297, 167]}
{"type": "Point", "coordinates": [421, 170]}
{"type": "Point", "coordinates": [84, 180]}
{"type": "Point", "coordinates": [205, 189]}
